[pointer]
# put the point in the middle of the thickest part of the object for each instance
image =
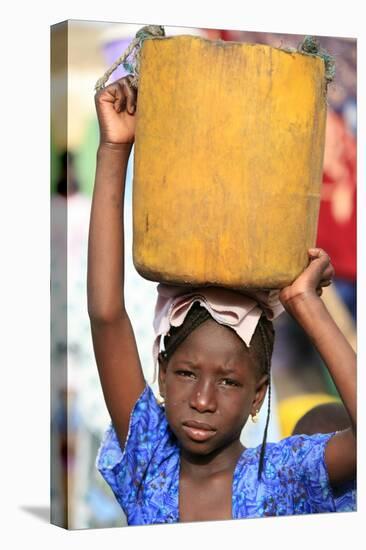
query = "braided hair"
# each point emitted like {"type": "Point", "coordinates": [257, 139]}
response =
{"type": "Point", "coordinates": [261, 347]}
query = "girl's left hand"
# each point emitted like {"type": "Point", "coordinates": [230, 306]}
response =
{"type": "Point", "coordinates": [309, 284]}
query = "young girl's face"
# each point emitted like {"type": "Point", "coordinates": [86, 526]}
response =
{"type": "Point", "coordinates": [210, 384]}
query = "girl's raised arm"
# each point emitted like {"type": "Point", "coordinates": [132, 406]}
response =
{"type": "Point", "coordinates": [113, 338]}
{"type": "Point", "coordinates": [302, 301]}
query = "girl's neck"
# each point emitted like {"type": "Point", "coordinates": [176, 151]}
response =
{"type": "Point", "coordinates": [219, 461]}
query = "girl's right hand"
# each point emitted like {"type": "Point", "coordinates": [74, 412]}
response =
{"type": "Point", "coordinates": [116, 108]}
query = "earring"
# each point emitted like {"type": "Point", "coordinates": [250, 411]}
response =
{"type": "Point", "coordinates": [160, 400]}
{"type": "Point", "coordinates": [255, 417]}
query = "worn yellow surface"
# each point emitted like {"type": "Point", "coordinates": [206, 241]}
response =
{"type": "Point", "coordinates": [228, 162]}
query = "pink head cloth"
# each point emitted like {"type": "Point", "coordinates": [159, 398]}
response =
{"type": "Point", "coordinates": [241, 312]}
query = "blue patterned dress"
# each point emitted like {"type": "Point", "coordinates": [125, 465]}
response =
{"type": "Point", "coordinates": [144, 477]}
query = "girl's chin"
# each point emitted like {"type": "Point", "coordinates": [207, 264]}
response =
{"type": "Point", "coordinates": [197, 447]}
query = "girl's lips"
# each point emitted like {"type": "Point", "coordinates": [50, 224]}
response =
{"type": "Point", "coordinates": [198, 431]}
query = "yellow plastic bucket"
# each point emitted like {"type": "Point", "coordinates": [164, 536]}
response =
{"type": "Point", "coordinates": [228, 162]}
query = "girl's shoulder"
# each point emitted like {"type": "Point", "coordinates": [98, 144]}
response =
{"type": "Point", "coordinates": [300, 443]}
{"type": "Point", "coordinates": [148, 457]}
{"type": "Point", "coordinates": [298, 449]}
{"type": "Point", "coordinates": [294, 480]}
{"type": "Point", "coordinates": [146, 426]}
{"type": "Point", "coordinates": [295, 451]}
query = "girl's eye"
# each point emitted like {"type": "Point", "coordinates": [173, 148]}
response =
{"type": "Point", "coordinates": [185, 373]}
{"type": "Point", "coordinates": [229, 382]}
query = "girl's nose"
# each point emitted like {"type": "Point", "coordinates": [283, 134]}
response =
{"type": "Point", "coordinates": [203, 397]}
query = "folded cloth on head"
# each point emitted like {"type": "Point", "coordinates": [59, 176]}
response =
{"type": "Point", "coordinates": [241, 312]}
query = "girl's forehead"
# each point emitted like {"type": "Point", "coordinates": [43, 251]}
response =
{"type": "Point", "coordinates": [211, 336]}
{"type": "Point", "coordinates": [212, 360]}
{"type": "Point", "coordinates": [215, 348]}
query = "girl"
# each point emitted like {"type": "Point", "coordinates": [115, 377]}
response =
{"type": "Point", "coordinates": [184, 461]}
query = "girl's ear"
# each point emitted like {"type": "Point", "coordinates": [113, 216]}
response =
{"type": "Point", "coordinates": [260, 394]}
{"type": "Point", "coordinates": [163, 363]}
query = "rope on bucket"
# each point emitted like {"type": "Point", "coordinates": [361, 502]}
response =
{"type": "Point", "coordinates": [310, 46]}
{"type": "Point", "coordinates": [131, 57]}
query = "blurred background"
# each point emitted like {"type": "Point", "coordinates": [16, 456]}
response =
{"type": "Point", "coordinates": [80, 497]}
